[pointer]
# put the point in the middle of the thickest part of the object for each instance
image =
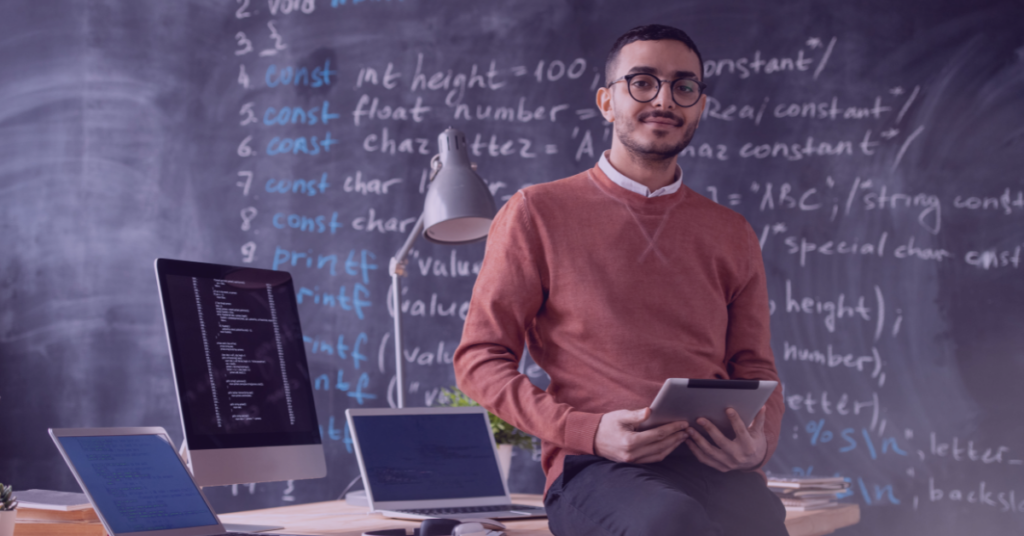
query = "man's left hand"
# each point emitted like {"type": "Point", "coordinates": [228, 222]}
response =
{"type": "Point", "coordinates": [745, 452]}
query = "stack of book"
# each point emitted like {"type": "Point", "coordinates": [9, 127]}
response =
{"type": "Point", "coordinates": [57, 513]}
{"type": "Point", "coordinates": [808, 493]}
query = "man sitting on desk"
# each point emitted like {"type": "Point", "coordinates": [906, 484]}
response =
{"type": "Point", "coordinates": [619, 278]}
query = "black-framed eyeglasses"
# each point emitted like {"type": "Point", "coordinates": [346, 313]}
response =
{"type": "Point", "coordinates": [645, 87]}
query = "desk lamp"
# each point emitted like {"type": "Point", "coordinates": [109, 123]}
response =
{"type": "Point", "coordinates": [458, 210]}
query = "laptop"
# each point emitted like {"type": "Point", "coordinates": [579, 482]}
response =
{"type": "Point", "coordinates": [422, 463]}
{"type": "Point", "coordinates": [137, 483]}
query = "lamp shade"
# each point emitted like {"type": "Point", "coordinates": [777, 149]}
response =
{"type": "Point", "coordinates": [459, 205]}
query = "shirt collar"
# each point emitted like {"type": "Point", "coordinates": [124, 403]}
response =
{"type": "Point", "coordinates": [636, 187]}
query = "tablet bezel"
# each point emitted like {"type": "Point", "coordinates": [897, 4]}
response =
{"type": "Point", "coordinates": [685, 399]}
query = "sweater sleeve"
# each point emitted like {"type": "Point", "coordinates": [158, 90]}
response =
{"type": "Point", "coordinates": [748, 339]}
{"type": "Point", "coordinates": [509, 291]}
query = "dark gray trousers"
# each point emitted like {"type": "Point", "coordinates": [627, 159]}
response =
{"type": "Point", "coordinates": [677, 496]}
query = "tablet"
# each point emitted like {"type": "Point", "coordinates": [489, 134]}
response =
{"type": "Point", "coordinates": [682, 399]}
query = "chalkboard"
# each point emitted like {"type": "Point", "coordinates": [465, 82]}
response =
{"type": "Point", "coordinates": [875, 147]}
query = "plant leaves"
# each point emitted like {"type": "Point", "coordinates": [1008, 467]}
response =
{"type": "Point", "coordinates": [504, 433]}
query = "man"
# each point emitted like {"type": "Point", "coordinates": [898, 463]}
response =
{"type": "Point", "coordinates": [619, 278]}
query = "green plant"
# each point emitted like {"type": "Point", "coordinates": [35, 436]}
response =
{"type": "Point", "coordinates": [8, 501]}
{"type": "Point", "coordinates": [504, 433]}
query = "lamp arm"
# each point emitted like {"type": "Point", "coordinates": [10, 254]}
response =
{"type": "Point", "coordinates": [398, 261]}
{"type": "Point", "coordinates": [397, 268]}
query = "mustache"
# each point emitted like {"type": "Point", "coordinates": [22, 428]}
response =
{"type": "Point", "coordinates": [663, 115]}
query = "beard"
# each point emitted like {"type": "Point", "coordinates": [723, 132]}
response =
{"type": "Point", "coordinates": [658, 149]}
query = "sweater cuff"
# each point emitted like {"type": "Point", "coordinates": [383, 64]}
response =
{"type": "Point", "coordinates": [580, 431]}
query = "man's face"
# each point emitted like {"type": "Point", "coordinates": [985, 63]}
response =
{"type": "Point", "coordinates": [659, 129]}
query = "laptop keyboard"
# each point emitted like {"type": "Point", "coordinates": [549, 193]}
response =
{"type": "Point", "coordinates": [471, 509]}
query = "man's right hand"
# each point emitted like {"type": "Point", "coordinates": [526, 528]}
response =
{"type": "Point", "coordinates": [618, 440]}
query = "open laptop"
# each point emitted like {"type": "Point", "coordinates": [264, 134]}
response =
{"type": "Point", "coordinates": [420, 463]}
{"type": "Point", "coordinates": [137, 483]}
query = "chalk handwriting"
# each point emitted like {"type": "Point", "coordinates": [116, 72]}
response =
{"type": "Point", "coordinates": [337, 347]}
{"type": "Point", "coordinates": [318, 76]}
{"type": "Point", "coordinates": [957, 451]}
{"type": "Point", "coordinates": [354, 299]}
{"type": "Point", "coordinates": [1004, 501]}
{"type": "Point", "coordinates": [359, 263]}
{"type": "Point", "coordinates": [307, 187]}
{"type": "Point", "coordinates": [356, 184]}
{"type": "Point", "coordinates": [450, 267]}
{"type": "Point", "coordinates": [748, 66]}
{"type": "Point", "coordinates": [871, 363]}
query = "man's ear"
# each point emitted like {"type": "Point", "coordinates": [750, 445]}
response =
{"type": "Point", "coordinates": [604, 103]}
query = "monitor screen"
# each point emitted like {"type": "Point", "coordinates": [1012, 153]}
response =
{"type": "Point", "coordinates": [238, 356]}
{"type": "Point", "coordinates": [137, 482]}
{"type": "Point", "coordinates": [427, 457]}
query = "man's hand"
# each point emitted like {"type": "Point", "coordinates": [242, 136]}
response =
{"type": "Point", "coordinates": [618, 440]}
{"type": "Point", "coordinates": [745, 452]}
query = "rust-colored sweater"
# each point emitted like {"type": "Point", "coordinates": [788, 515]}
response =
{"type": "Point", "coordinates": [614, 292]}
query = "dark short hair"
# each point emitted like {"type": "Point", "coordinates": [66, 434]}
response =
{"type": "Point", "coordinates": [650, 32]}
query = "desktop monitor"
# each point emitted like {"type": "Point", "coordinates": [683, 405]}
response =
{"type": "Point", "coordinates": [240, 371]}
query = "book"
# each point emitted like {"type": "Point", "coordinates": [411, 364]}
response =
{"type": "Point", "coordinates": [834, 482]}
{"type": "Point", "coordinates": [803, 508]}
{"type": "Point", "coordinates": [796, 481]}
{"type": "Point", "coordinates": [41, 499]}
{"type": "Point", "coordinates": [817, 493]}
{"type": "Point", "coordinates": [804, 504]}
{"type": "Point", "coordinates": [73, 528]}
{"type": "Point", "coordinates": [808, 492]}
{"type": "Point", "coordinates": [40, 515]}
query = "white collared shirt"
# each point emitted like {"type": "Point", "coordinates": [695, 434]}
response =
{"type": "Point", "coordinates": [636, 187]}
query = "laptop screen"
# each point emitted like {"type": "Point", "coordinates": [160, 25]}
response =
{"type": "Point", "coordinates": [137, 482]}
{"type": "Point", "coordinates": [427, 457]}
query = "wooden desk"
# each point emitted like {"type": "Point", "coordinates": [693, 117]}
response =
{"type": "Point", "coordinates": [340, 519]}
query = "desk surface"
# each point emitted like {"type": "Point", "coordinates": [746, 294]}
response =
{"type": "Point", "coordinates": [339, 519]}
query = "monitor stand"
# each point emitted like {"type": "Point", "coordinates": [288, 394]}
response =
{"type": "Point", "coordinates": [230, 527]}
